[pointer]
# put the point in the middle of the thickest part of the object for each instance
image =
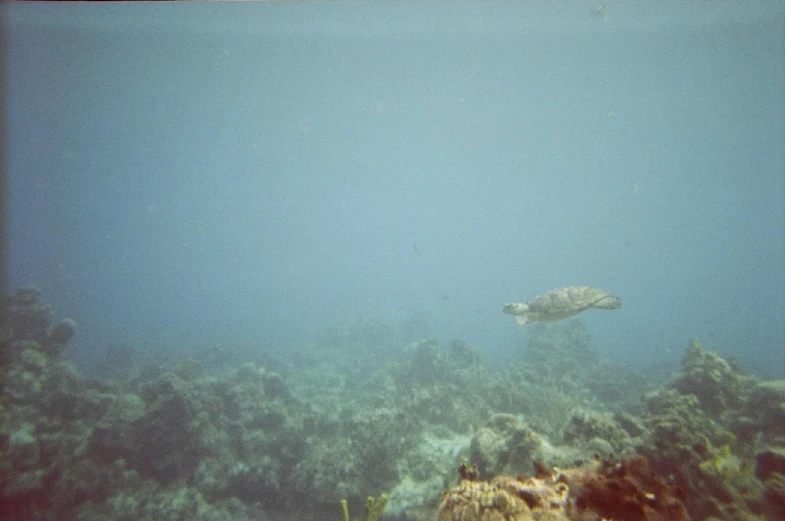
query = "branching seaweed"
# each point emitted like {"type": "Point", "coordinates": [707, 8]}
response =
{"type": "Point", "coordinates": [374, 508]}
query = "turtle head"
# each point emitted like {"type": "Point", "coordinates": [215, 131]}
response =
{"type": "Point", "coordinates": [515, 308]}
{"type": "Point", "coordinates": [608, 302]}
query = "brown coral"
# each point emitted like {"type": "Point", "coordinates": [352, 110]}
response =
{"type": "Point", "coordinates": [628, 490]}
{"type": "Point", "coordinates": [716, 381]}
{"type": "Point", "coordinates": [504, 498]}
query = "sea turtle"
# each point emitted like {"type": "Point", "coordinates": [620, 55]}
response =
{"type": "Point", "coordinates": [561, 303]}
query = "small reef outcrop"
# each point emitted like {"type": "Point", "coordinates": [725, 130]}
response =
{"type": "Point", "coordinates": [28, 320]}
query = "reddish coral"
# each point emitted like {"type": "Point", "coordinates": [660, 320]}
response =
{"type": "Point", "coordinates": [629, 490]}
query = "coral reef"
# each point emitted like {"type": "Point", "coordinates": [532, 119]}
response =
{"type": "Point", "coordinates": [560, 375]}
{"type": "Point", "coordinates": [769, 462]}
{"type": "Point", "coordinates": [627, 490]}
{"type": "Point", "coordinates": [718, 383]}
{"type": "Point", "coordinates": [222, 433]}
{"type": "Point", "coordinates": [679, 430]}
{"type": "Point", "coordinates": [503, 498]}
{"type": "Point", "coordinates": [770, 470]}
{"type": "Point", "coordinates": [28, 320]}
{"type": "Point", "coordinates": [438, 385]}
{"type": "Point", "coordinates": [704, 432]}
{"type": "Point", "coordinates": [766, 409]}
{"type": "Point", "coordinates": [504, 445]}
{"type": "Point", "coordinates": [561, 349]}
{"type": "Point", "coordinates": [362, 455]}
{"type": "Point", "coordinates": [73, 447]}
{"type": "Point", "coordinates": [598, 432]}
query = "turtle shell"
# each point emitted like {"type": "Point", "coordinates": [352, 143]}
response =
{"type": "Point", "coordinates": [573, 299]}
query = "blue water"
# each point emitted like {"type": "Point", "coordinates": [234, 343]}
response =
{"type": "Point", "coordinates": [186, 174]}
